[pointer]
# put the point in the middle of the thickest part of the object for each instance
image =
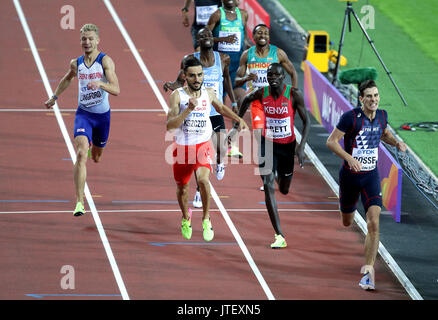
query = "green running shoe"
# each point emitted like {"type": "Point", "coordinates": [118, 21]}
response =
{"type": "Point", "coordinates": [79, 210]}
{"type": "Point", "coordinates": [186, 226]}
{"type": "Point", "coordinates": [279, 242]}
{"type": "Point", "coordinates": [208, 232]}
{"type": "Point", "coordinates": [234, 152]}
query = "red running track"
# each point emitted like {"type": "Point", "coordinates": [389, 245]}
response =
{"type": "Point", "coordinates": [133, 188]}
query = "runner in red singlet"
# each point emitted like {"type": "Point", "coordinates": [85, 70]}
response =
{"type": "Point", "coordinates": [277, 144]}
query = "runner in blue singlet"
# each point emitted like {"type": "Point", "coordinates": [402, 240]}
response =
{"type": "Point", "coordinates": [362, 129]}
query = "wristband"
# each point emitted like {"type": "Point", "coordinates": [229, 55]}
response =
{"type": "Point", "coordinates": [54, 97]}
{"type": "Point", "coordinates": [234, 104]}
{"type": "Point", "coordinates": [185, 9]}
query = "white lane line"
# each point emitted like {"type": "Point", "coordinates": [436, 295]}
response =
{"type": "Point", "coordinates": [71, 150]}
{"type": "Point", "coordinates": [166, 108]}
{"type": "Point", "coordinates": [247, 211]}
{"type": "Point", "coordinates": [398, 272]}
{"type": "Point", "coordinates": [137, 56]}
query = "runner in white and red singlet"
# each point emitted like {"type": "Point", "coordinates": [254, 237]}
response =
{"type": "Point", "coordinates": [189, 117]}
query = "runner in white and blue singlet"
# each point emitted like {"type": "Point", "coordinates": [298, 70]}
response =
{"type": "Point", "coordinates": [362, 129]}
{"type": "Point", "coordinates": [93, 114]}
{"type": "Point", "coordinates": [216, 76]}
{"type": "Point", "coordinates": [97, 77]}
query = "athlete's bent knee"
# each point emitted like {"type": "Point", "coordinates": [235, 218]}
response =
{"type": "Point", "coordinates": [347, 219]}
{"type": "Point", "coordinates": [96, 158]}
{"type": "Point", "coordinates": [203, 182]}
{"type": "Point", "coordinates": [284, 190]}
{"type": "Point", "coordinates": [81, 155]}
{"type": "Point", "coordinates": [373, 215]}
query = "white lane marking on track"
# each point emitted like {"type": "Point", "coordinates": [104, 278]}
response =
{"type": "Point", "coordinates": [71, 150]}
{"type": "Point", "coordinates": [163, 103]}
{"type": "Point", "coordinates": [247, 211]}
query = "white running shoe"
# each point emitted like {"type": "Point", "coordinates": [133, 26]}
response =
{"type": "Point", "coordinates": [367, 282]}
{"type": "Point", "coordinates": [220, 171]}
{"type": "Point", "coordinates": [197, 201]}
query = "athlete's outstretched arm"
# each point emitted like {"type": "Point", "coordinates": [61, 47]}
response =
{"type": "Point", "coordinates": [389, 138]}
{"type": "Point", "coordinates": [283, 59]}
{"type": "Point", "coordinates": [185, 16]}
{"type": "Point", "coordinates": [228, 86]}
{"type": "Point", "coordinates": [250, 97]}
{"type": "Point", "coordinates": [112, 86]}
{"type": "Point", "coordinates": [334, 145]}
{"type": "Point", "coordinates": [64, 83]}
{"type": "Point", "coordinates": [241, 76]}
{"type": "Point", "coordinates": [225, 111]}
{"type": "Point", "coordinates": [178, 83]}
{"type": "Point", "coordinates": [174, 118]}
{"type": "Point", "coordinates": [304, 115]}
{"type": "Point", "coordinates": [246, 40]}
{"type": "Point", "coordinates": [180, 79]}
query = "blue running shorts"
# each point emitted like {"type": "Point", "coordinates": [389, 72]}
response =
{"type": "Point", "coordinates": [353, 184]}
{"type": "Point", "coordinates": [95, 126]}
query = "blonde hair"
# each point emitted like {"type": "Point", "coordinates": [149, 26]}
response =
{"type": "Point", "coordinates": [90, 27]}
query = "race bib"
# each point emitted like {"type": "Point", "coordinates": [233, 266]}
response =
{"type": "Point", "coordinates": [367, 157]}
{"type": "Point", "coordinates": [203, 14]}
{"type": "Point", "coordinates": [278, 128]}
{"type": "Point", "coordinates": [230, 47]}
{"type": "Point", "coordinates": [90, 98]}
{"type": "Point", "coordinates": [195, 123]}
{"type": "Point", "coordinates": [262, 79]}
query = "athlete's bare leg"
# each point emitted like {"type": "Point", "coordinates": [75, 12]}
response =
{"type": "Point", "coordinates": [347, 218]}
{"type": "Point", "coordinates": [203, 176]}
{"type": "Point", "coordinates": [284, 183]}
{"type": "Point", "coordinates": [96, 153]}
{"type": "Point", "coordinates": [271, 202]}
{"type": "Point", "coordinates": [219, 144]}
{"type": "Point", "coordinates": [182, 194]}
{"type": "Point", "coordinates": [372, 237]}
{"type": "Point", "coordinates": [80, 169]}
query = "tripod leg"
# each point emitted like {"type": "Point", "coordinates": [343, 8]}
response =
{"type": "Point", "coordinates": [378, 56]}
{"type": "Point", "coordinates": [341, 43]}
